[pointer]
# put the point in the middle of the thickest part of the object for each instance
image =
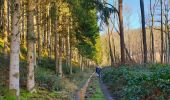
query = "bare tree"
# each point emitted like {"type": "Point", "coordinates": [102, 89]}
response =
{"type": "Point", "coordinates": [162, 35]}
{"type": "Point", "coordinates": [122, 46]}
{"type": "Point", "coordinates": [143, 31]}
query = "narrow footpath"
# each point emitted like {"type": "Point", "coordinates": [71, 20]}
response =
{"type": "Point", "coordinates": [93, 89]}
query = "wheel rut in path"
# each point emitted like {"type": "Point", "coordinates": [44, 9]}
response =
{"type": "Point", "coordinates": [105, 91]}
{"type": "Point", "coordinates": [80, 94]}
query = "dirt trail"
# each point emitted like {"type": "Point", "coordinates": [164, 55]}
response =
{"type": "Point", "coordinates": [81, 93]}
{"type": "Point", "coordinates": [104, 88]}
{"type": "Point", "coordinates": [105, 91]}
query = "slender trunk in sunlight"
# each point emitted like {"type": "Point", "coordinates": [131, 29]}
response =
{"type": "Point", "coordinates": [14, 51]}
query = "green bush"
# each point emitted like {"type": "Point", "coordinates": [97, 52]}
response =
{"type": "Point", "coordinates": [136, 83]}
{"type": "Point", "coordinates": [47, 63]}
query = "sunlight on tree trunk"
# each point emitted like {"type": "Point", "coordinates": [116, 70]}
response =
{"type": "Point", "coordinates": [14, 51]}
{"type": "Point", "coordinates": [5, 30]}
{"type": "Point", "coordinates": [31, 47]}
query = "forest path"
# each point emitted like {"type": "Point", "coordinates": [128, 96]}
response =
{"type": "Point", "coordinates": [105, 91]}
{"type": "Point", "coordinates": [104, 88]}
{"type": "Point", "coordinates": [80, 94]}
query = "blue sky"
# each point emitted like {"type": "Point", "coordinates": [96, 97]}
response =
{"type": "Point", "coordinates": [134, 7]}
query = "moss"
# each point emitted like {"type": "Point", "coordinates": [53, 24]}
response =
{"type": "Point", "coordinates": [16, 75]}
{"type": "Point", "coordinates": [10, 95]}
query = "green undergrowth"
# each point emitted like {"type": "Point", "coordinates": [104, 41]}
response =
{"type": "Point", "coordinates": [94, 91]}
{"type": "Point", "coordinates": [48, 85]}
{"type": "Point", "coordinates": [139, 83]}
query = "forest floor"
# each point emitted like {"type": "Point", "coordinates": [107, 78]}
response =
{"type": "Point", "coordinates": [48, 85]}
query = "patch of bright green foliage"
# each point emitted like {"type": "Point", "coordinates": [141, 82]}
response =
{"type": "Point", "coordinates": [95, 88]}
{"type": "Point", "coordinates": [139, 83]}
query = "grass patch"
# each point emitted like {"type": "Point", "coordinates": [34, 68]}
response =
{"type": "Point", "coordinates": [94, 91]}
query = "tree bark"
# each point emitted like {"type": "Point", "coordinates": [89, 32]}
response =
{"type": "Point", "coordinates": [5, 39]}
{"type": "Point", "coordinates": [143, 31]}
{"type": "Point", "coordinates": [14, 51]}
{"type": "Point", "coordinates": [69, 50]}
{"type": "Point", "coordinates": [110, 48]}
{"type": "Point", "coordinates": [121, 32]}
{"type": "Point", "coordinates": [56, 48]}
{"type": "Point", "coordinates": [38, 31]}
{"type": "Point", "coordinates": [60, 55]}
{"type": "Point", "coordinates": [31, 47]}
{"type": "Point", "coordinates": [162, 35]}
{"type": "Point", "coordinates": [151, 32]}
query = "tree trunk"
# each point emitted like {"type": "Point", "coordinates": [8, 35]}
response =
{"type": "Point", "coordinates": [121, 32]}
{"type": "Point", "coordinates": [70, 61]}
{"type": "Point", "coordinates": [14, 51]}
{"type": "Point", "coordinates": [49, 32]}
{"type": "Point", "coordinates": [31, 47]}
{"type": "Point", "coordinates": [143, 31]}
{"type": "Point", "coordinates": [69, 50]}
{"type": "Point", "coordinates": [5, 28]}
{"type": "Point", "coordinates": [110, 48]}
{"type": "Point", "coordinates": [152, 35]}
{"type": "Point", "coordinates": [60, 55]}
{"type": "Point", "coordinates": [23, 39]}
{"type": "Point", "coordinates": [38, 31]}
{"type": "Point", "coordinates": [56, 48]}
{"type": "Point", "coordinates": [162, 35]}
{"type": "Point", "coordinates": [82, 63]}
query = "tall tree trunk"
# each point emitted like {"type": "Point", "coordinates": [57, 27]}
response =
{"type": "Point", "coordinates": [162, 35]}
{"type": "Point", "coordinates": [69, 50]}
{"type": "Point", "coordinates": [31, 47]}
{"type": "Point", "coordinates": [23, 39]}
{"type": "Point", "coordinates": [167, 31]}
{"type": "Point", "coordinates": [82, 63]}
{"type": "Point", "coordinates": [60, 55]}
{"type": "Point", "coordinates": [110, 49]}
{"type": "Point", "coordinates": [8, 19]}
{"type": "Point", "coordinates": [143, 31]}
{"type": "Point", "coordinates": [38, 30]}
{"type": "Point", "coordinates": [14, 51]}
{"type": "Point", "coordinates": [48, 32]}
{"type": "Point", "coordinates": [5, 28]}
{"type": "Point", "coordinates": [56, 48]}
{"type": "Point", "coordinates": [1, 16]}
{"type": "Point", "coordinates": [152, 35]}
{"type": "Point", "coordinates": [70, 61]}
{"type": "Point", "coordinates": [121, 32]}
